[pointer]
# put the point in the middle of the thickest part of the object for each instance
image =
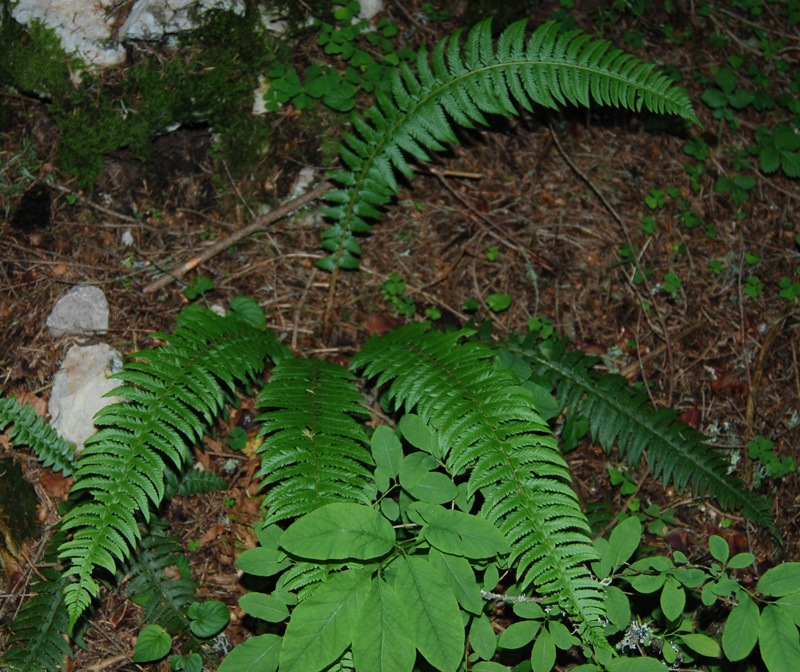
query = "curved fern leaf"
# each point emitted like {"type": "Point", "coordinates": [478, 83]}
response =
{"type": "Point", "coordinates": [551, 70]}
{"type": "Point", "coordinates": [37, 640]}
{"type": "Point", "coordinates": [621, 415]}
{"type": "Point", "coordinates": [164, 600]}
{"type": "Point", "coordinates": [192, 482]}
{"type": "Point", "coordinates": [173, 392]}
{"type": "Point", "coordinates": [489, 426]}
{"type": "Point", "coordinates": [31, 430]}
{"type": "Point", "coordinates": [314, 452]}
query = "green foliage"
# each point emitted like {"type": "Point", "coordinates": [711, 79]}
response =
{"type": "Point", "coordinates": [393, 290]}
{"type": "Point", "coordinates": [767, 616]}
{"type": "Point", "coordinates": [314, 450]}
{"type": "Point", "coordinates": [550, 69]}
{"type": "Point", "coordinates": [227, 52]}
{"type": "Point", "coordinates": [488, 426]}
{"type": "Point", "coordinates": [368, 50]}
{"type": "Point", "coordinates": [772, 466]}
{"type": "Point", "coordinates": [173, 393]}
{"type": "Point", "coordinates": [28, 429]}
{"type": "Point", "coordinates": [164, 600]}
{"type": "Point", "coordinates": [675, 451]}
{"type": "Point", "coordinates": [37, 640]}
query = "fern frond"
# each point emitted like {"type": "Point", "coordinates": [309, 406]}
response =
{"type": "Point", "coordinates": [164, 600]}
{"type": "Point", "coordinates": [314, 451]}
{"type": "Point", "coordinates": [173, 393]}
{"type": "Point", "coordinates": [621, 415]}
{"type": "Point", "coordinates": [37, 640]}
{"type": "Point", "coordinates": [31, 430]}
{"type": "Point", "coordinates": [489, 425]}
{"type": "Point", "coordinates": [192, 482]}
{"type": "Point", "coordinates": [550, 70]}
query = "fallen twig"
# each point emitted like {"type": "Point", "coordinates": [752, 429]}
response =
{"type": "Point", "coordinates": [257, 224]}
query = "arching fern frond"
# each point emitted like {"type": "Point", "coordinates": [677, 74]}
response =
{"type": "Point", "coordinates": [31, 430]}
{"type": "Point", "coordinates": [164, 600]}
{"type": "Point", "coordinates": [37, 640]}
{"type": "Point", "coordinates": [173, 393]}
{"type": "Point", "coordinates": [462, 86]}
{"type": "Point", "coordinates": [621, 415]}
{"type": "Point", "coordinates": [488, 425]}
{"type": "Point", "coordinates": [192, 482]}
{"type": "Point", "coordinates": [314, 451]}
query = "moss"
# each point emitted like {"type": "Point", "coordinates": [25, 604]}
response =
{"type": "Point", "coordinates": [210, 80]}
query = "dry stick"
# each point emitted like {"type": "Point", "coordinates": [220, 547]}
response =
{"type": "Point", "coordinates": [99, 208]}
{"type": "Point", "coordinates": [619, 220]}
{"type": "Point", "coordinates": [254, 226]}
{"type": "Point", "coordinates": [504, 239]}
{"type": "Point", "coordinates": [633, 366]}
{"type": "Point", "coordinates": [109, 663]}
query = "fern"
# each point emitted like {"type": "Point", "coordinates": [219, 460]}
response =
{"type": "Point", "coordinates": [164, 600]}
{"type": "Point", "coordinates": [621, 415]}
{"type": "Point", "coordinates": [192, 482]}
{"type": "Point", "coordinates": [489, 427]}
{"type": "Point", "coordinates": [31, 430]}
{"type": "Point", "coordinates": [314, 451]}
{"type": "Point", "coordinates": [551, 69]}
{"type": "Point", "coordinates": [38, 632]}
{"type": "Point", "coordinates": [174, 392]}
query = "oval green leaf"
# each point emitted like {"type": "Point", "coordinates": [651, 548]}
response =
{"type": "Point", "coordinates": [741, 630]}
{"type": "Point", "coordinates": [338, 532]}
{"type": "Point", "coordinates": [257, 654]}
{"type": "Point", "coordinates": [702, 644]}
{"type": "Point", "coordinates": [265, 607]}
{"type": "Point", "coordinates": [519, 634]}
{"type": "Point", "coordinates": [781, 580]}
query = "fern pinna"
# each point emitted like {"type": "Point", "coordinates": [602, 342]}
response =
{"type": "Point", "coordinates": [173, 392]}
{"type": "Point", "coordinates": [314, 451]}
{"type": "Point", "coordinates": [29, 429]}
{"type": "Point", "coordinates": [551, 69]}
{"type": "Point", "coordinates": [621, 415]}
{"type": "Point", "coordinates": [488, 426]}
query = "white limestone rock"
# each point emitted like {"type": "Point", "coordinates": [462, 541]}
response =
{"type": "Point", "coordinates": [153, 19]}
{"type": "Point", "coordinates": [83, 27]}
{"type": "Point", "coordinates": [78, 389]}
{"type": "Point", "coordinates": [370, 8]}
{"type": "Point", "coordinates": [83, 310]}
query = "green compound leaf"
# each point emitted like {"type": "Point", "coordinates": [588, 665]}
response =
{"type": "Point", "coordinates": [673, 599]}
{"type": "Point", "coordinates": [543, 655]}
{"type": "Point", "coordinates": [741, 631]}
{"type": "Point", "coordinates": [339, 532]}
{"type": "Point", "coordinates": [781, 580]}
{"type": "Point", "coordinates": [382, 641]}
{"type": "Point", "coordinates": [482, 638]}
{"type": "Point", "coordinates": [434, 616]}
{"type": "Point", "coordinates": [387, 451]}
{"type": "Point", "coordinates": [257, 654]}
{"type": "Point", "coordinates": [624, 541]}
{"type": "Point", "coordinates": [778, 640]}
{"type": "Point", "coordinates": [265, 607]}
{"type": "Point", "coordinates": [702, 644]}
{"type": "Point", "coordinates": [322, 626]}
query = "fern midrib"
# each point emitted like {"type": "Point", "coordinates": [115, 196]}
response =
{"type": "Point", "coordinates": [411, 113]}
{"type": "Point", "coordinates": [520, 486]}
{"type": "Point", "coordinates": [588, 388]}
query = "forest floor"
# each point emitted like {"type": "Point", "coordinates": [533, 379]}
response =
{"type": "Point", "coordinates": [540, 208]}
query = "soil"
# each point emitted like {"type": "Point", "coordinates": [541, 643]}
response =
{"type": "Point", "coordinates": [537, 207]}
